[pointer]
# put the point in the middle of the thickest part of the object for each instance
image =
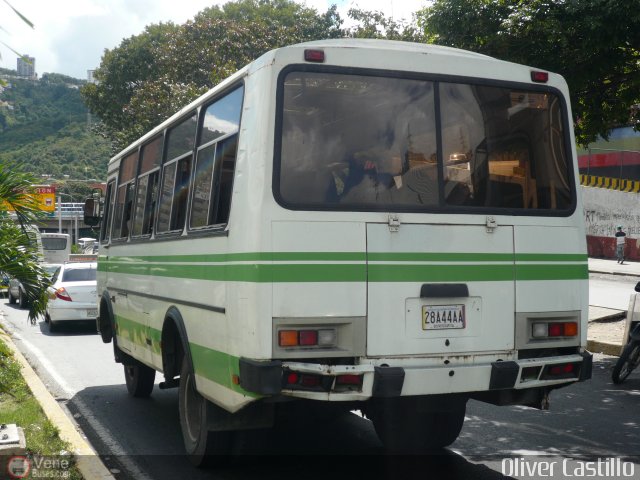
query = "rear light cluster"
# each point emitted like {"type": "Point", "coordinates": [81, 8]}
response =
{"type": "Point", "coordinates": [62, 294]}
{"type": "Point", "coordinates": [554, 329]}
{"type": "Point", "coordinates": [322, 337]}
{"type": "Point", "coordinates": [322, 383]}
{"type": "Point", "coordinates": [562, 370]}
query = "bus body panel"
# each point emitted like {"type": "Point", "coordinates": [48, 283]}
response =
{"type": "Point", "coordinates": [405, 269]}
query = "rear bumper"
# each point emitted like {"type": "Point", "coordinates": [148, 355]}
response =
{"type": "Point", "coordinates": [271, 377]}
{"type": "Point", "coordinates": [80, 311]}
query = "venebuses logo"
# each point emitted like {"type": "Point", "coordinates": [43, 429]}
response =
{"type": "Point", "coordinates": [18, 467]}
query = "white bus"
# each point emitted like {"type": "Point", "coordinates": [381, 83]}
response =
{"type": "Point", "coordinates": [56, 247]}
{"type": "Point", "coordinates": [365, 224]}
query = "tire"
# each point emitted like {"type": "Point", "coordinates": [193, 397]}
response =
{"type": "Point", "coordinates": [203, 447]}
{"type": "Point", "coordinates": [53, 326]}
{"type": "Point", "coordinates": [409, 428]}
{"type": "Point", "coordinates": [12, 299]}
{"type": "Point", "coordinates": [629, 359]}
{"type": "Point", "coordinates": [22, 301]}
{"type": "Point", "coordinates": [140, 379]}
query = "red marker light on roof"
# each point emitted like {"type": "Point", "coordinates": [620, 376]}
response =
{"type": "Point", "coordinates": [314, 56]}
{"type": "Point", "coordinates": [539, 77]}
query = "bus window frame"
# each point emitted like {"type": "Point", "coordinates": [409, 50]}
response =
{"type": "Point", "coordinates": [176, 232]}
{"type": "Point", "coordinates": [129, 183]}
{"type": "Point", "coordinates": [162, 137]}
{"type": "Point", "coordinates": [437, 79]}
{"type": "Point", "coordinates": [216, 228]}
{"type": "Point", "coordinates": [109, 205]}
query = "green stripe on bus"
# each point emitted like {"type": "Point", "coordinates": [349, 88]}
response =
{"type": "Point", "coordinates": [458, 267]}
{"type": "Point", "coordinates": [552, 272]}
{"type": "Point", "coordinates": [217, 367]}
{"type": "Point", "coordinates": [441, 273]}
{"type": "Point", "coordinates": [259, 273]}
{"type": "Point", "coordinates": [265, 273]}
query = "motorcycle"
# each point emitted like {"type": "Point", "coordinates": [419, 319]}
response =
{"type": "Point", "coordinates": [630, 356]}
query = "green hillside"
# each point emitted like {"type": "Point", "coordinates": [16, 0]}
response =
{"type": "Point", "coordinates": [43, 127]}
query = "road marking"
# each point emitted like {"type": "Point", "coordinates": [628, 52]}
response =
{"type": "Point", "coordinates": [47, 365]}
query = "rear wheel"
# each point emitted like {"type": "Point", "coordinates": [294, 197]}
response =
{"type": "Point", "coordinates": [203, 447]}
{"type": "Point", "coordinates": [628, 361]}
{"type": "Point", "coordinates": [22, 300]}
{"type": "Point", "coordinates": [140, 379]}
{"type": "Point", "coordinates": [53, 326]}
{"type": "Point", "coordinates": [12, 299]}
{"type": "Point", "coordinates": [409, 427]}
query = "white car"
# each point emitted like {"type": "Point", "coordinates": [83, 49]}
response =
{"type": "Point", "coordinates": [72, 295]}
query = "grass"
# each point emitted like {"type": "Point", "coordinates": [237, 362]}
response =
{"type": "Point", "coordinates": [19, 406]}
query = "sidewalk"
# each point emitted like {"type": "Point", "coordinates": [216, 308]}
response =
{"type": "Point", "coordinates": [606, 325]}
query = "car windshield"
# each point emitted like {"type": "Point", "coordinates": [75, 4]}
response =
{"type": "Point", "coordinates": [78, 274]}
{"type": "Point", "coordinates": [50, 269]}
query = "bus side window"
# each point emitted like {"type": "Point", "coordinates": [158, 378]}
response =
{"type": "Point", "coordinates": [174, 193]}
{"type": "Point", "coordinates": [225, 167]}
{"type": "Point", "coordinates": [215, 162]}
{"type": "Point", "coordinates": [150, 160]}
{"type": "Point", "coordinates": [105, 234]}
{"type": "Point", "coordinates": [124, 197]}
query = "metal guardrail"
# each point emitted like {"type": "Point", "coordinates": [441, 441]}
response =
{"type": "Point", "coordinates": [68, 211]}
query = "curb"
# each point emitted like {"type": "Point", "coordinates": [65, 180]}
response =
{"type": "Point", "coordinates": [612, 272]}
{"type": "Point", "coordinates": [87, 461]}
{"type": "Point", "coordinates": [594, 346]}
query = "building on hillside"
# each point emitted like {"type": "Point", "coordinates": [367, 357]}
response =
{"type": "Point", "coordinates": [26, 66]}
{"type": "Point", "coordinates": [90, 77]}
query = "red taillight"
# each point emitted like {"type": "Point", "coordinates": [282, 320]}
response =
{"type": "Point", "coordinates": [539, 77]}
{"type": "Point", "coordinates": [308, 337]}
{"type": "Point", "coordinates": [556, 329]}
{"type": "Point", "coordinates": [563, 329]}
{"type": "Point", "coordinates": [348, 379]}
{"type": "Point", "coordinates": [62, 294]}
{"type": "Point", "coordinates": [561, 369]}
{"type": "Point", "coordinates": [314, 55]}
{"type": "Point", "coordinates": [292, 378]}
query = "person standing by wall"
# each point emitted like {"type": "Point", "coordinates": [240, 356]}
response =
{"type": "Point", "coordinates": [620, 241]}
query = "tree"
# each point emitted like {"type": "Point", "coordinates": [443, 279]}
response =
{"type": "Point", "coordinates": [376, 25]}
{"type": "Point", "coordinates": [594, 44]}
{"type": "Point", "coordinates": [152, 75]}
{"type": "Point", "coordinates": [18, 253]}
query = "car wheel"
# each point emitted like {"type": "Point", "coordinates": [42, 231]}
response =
{"type": "Point", "coordinates": [22, 301]}
{"type": "Point", "coordinates": [139, 380]}
{"type": "Point", "coordinates": [53, 326]}
{"type": "Point", "coordinates": [12, 299]}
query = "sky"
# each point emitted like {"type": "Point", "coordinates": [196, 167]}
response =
{"type": "Point", "coordinates": [70, 36]}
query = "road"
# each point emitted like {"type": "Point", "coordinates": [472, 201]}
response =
{"type": "Point", "coordinates": [141, 439]}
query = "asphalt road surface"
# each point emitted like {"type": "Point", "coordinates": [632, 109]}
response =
{"type": "Point", "coordinates": [141, 439]}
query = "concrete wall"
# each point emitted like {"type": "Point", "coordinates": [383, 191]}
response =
{"type": "Point", "coordinates": [604, 210]}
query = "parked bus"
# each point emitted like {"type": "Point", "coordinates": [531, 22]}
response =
{"type": "Point", "coordinates": [364, 224]}
{"type": "Point", "coordinates": [56, 246]}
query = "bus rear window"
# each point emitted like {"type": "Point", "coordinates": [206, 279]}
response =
{"type": "Point", "coordinates": [358, 142]}
{"type": "Point", "coordinates": [54, 243]}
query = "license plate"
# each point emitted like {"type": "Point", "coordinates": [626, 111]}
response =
{"type": "Point", "coordinates": [441, 317]}
{"type": "Point", "coordinates": [92, 312]}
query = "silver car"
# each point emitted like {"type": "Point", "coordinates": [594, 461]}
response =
{"type": "Point", "coordinates": [16, 292]}
{"type": "Point", "coordinates": [72, 295]}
